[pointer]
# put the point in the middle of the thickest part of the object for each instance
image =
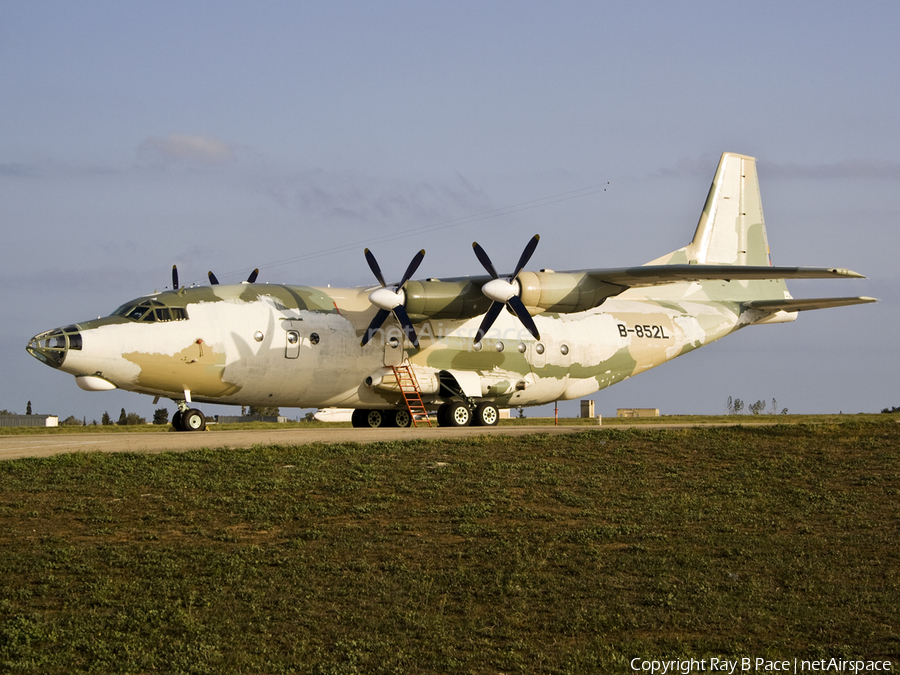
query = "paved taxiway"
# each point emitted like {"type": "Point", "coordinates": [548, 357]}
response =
{"type": "Point", "coordinates": [45, 445]}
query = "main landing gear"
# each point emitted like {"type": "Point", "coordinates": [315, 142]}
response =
{"type": "Point", "coordinates": [461, 414]}
{"type": "Point", "coordinates": [381, 418]}
{"type": "Point", "coordinates": [451, 414]}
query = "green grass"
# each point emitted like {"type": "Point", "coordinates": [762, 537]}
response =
{"type": "Point", "coordinates": [528, 555]}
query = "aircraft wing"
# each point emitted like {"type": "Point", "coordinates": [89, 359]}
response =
{"type": "Point", "coordinates": [799, 305]}
{"type": "Point", "coordinates": [655, 275]}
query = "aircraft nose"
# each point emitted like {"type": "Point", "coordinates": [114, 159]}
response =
{"type": "Point", "coordinates": [52, 346]}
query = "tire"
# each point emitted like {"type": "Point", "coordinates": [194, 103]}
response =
{"type": "Point", "coordinates": [442, 415]}
{"type": "Point", "coordinates": [176, 421]}
{"type": "Point", "coordinates": [486, 415]}
{"type": "Point", "coordinates": [369, 419]}
{"type": "Point", "coordinates": [192, 420]}
{"type": "Point", "coordinates": [358, 418]}
{"type": "Point", "coordinates": [399, 418]}
{"type": "Point", "coordinates": [457, 414]}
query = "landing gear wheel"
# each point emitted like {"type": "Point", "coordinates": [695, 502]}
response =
{"type": "Point", "coordinates": [358, 418]}
{"type": "Point", "coordinates": [176, 420]}
{"type": "Point", "coordinates": [486, 415]}
{"type": "Point", "coordinates": [399, 418]}
{"type": "Point", "coordinates": [455, 414]}
{"type": "Point", "coordinates": [368, 418]}
{"type": "Point", "coordinates": [192, 420]}
{"type": "Point", "coordinates": [441, 415]}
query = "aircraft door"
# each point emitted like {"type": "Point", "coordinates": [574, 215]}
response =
{"type": "Point", "coordinates": [538, 354]}
{"type": "Point", "coordinates": [394, 347]}
{"type": "Point", "coordinates": [292, 341]}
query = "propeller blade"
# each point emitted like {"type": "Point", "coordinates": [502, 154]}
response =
{"type": "Point", "coordinates": [379, 319]}
{"type": "Point", "coordinates": [504, 291]}
{"type": "Point", "coordinates": [484, 260]}
{"type": "Point", "coordinates": [253, 275]}
{"type": "Point", "coordinates": [519, 308]}
{"type": "Point", "coordinates": [174, 277]}
{"type": "Point", "coordinates": [212, 278]}
{"type": "Point", "coordinates": [526, 255]}
{"type": "Point", "coordinates": [403, 318]}
{"type": "Point", "coordinates": [488, 320]}
{"type": "Point", "coordinates": [373, 265]}
{"type": "Point", "coordinates": [413, 266]}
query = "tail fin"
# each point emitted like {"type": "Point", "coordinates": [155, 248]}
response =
{"type": "Point", "coordinates": [731, 230]}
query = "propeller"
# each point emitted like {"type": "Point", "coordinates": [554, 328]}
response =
{"type": "Point", "coordinates": [174, 277]}
{"type": "Point", "coordinates": [391, 300]}
{"type": "Point", "coordinates": [505, 291]}
{"type": "Point", "coordinates": [251, 279]}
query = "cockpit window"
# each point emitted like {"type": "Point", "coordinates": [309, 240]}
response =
{"type": "Point", "coordinates": [151, 311]}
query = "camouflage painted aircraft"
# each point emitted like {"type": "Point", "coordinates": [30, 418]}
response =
{"type": "Point", "coordinates": [565, 335]}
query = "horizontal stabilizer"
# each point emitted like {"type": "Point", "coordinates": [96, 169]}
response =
{"type": "Point", "coordinates": [655, 275]}
{"type": "Point", "coordinates": [800, 304]}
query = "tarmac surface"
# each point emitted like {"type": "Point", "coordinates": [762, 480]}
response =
{"type": "Point", "coordinates": [45, 445]}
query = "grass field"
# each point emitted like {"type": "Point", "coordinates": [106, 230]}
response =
{"type": "Point", "coordinates": [530, 555]}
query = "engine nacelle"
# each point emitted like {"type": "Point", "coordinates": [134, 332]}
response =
{"type": "Point", "coordinates": [562, 292]}
{"type": "Point", "coordinates": [449, 300]}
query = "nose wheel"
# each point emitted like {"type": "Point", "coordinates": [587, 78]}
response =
{"type": "Point", "coordinates": [189, 420]}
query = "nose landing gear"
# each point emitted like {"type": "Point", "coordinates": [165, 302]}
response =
{"type": "Point", "coordinates": [188, 419]}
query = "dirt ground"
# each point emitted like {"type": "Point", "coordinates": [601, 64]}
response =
{"type": "Point", "coordinates": [40, 445]}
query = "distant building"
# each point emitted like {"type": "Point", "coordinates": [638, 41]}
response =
{"type": "Point", "coordinates": [637, 412]}
{"type": "Point", "coordinates": [29, 421]}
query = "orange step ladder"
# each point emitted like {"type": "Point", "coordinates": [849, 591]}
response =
{"type": "Point", "coordinates": [412, 396]}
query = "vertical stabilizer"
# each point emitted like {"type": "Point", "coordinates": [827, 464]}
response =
{"type": "Point", "coordinates": [731, 230]}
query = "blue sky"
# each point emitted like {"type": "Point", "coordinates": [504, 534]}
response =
{"type": "Point", "coordinates": [289, 136]}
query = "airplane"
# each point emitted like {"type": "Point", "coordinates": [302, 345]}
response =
{"type": "Point", "coordinates": [565, 335]}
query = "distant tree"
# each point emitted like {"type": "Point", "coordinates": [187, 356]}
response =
{"type": "Point", "coordinates": [729, 406]}
{"type": "Point", "coordinates": [7, 412]}
{"type": "Point", "coordinates": [105, 420]}
{"type": "Point", "coordinates": [738, 406]}
{"type": "Point", "coordinates": [71, 421]}
{"type": "Point", "coordinates": [134, 418]}
{"type": "Point", "coordinates": [264, 411]}
{"type": "Point", "coordinates": [521, 412]}
{"type": "Point", "coordinates": [28, 408]}
{"type": "Point", "coordinates": [758, 408]}
{"type": "Point", "coordinates": [310, 416]}
{"type": "Point", "coordinates": [774, 406]}
{"type": "Point", "coordinates": [161, 416]}
{"type": "Point", "coordinates": [894, 409]}
{"type": "Point", "coordinates": [123, 418]}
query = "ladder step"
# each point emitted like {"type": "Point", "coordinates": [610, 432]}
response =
{"type": "Point", "coordinates": [412, 396]}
